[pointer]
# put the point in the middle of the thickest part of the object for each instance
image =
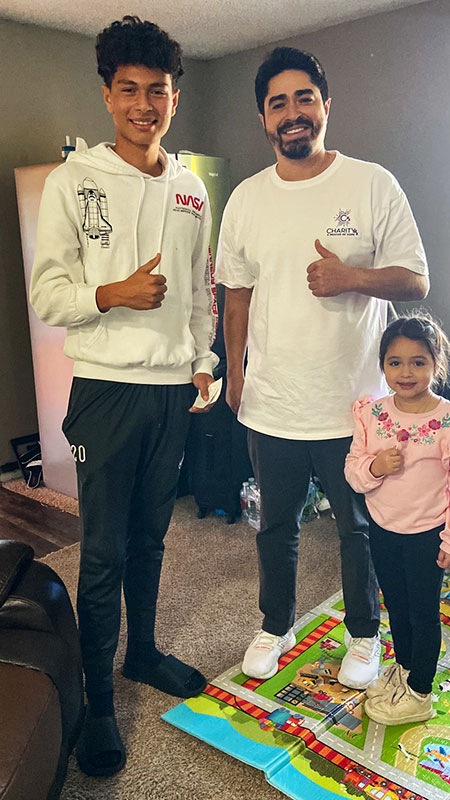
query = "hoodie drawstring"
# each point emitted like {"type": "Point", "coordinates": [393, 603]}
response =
{"type": "Point", "coordinates": [163, 217]}
{"type": "Point", "coordinates": [161, 227]}
{"type": "Point", "coordinates": [135, 233]}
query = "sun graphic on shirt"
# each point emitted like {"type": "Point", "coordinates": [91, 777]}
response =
{"type": "Point", "coordinates": [343, 217]}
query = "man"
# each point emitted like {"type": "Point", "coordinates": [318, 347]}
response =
{"type": "Point", "coordinates": [311, 250]}
{"type": "Point", "coordinates": [110, 219]}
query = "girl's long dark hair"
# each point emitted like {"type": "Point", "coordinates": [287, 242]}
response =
{"type": "Point", "coordinates": [420, 327]}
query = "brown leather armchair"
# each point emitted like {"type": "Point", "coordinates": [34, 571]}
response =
{"type": "Point", "coordinates": [41, 689]}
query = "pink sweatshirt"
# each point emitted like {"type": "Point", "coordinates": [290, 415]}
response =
{"type": "Point", "coordinates": [416, 498]}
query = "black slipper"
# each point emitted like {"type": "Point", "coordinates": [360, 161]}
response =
{"type": "Point", "coordinates": [100, 751]}
{"type": "Point", "coordinates": [171, 676]}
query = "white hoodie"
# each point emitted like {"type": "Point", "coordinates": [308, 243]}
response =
{"type": "Point", "coordinates": [100, 219]}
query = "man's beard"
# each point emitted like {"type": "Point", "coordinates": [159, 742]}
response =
{"type": "Point", "coordinates": [298, 149]}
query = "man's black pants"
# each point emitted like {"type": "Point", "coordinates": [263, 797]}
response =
{"type": "Point", "coordinates": [411, 582]}
{"type": "Point", "coordinates": [283, 468]}
{"type": "Point", "coordinates": [128, 442]}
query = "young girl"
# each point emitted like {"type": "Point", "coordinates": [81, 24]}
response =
{"type": "Point", "coordinates": [399, 459]}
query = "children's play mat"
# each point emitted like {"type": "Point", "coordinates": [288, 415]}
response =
{"type": "Point", "coordinates": [310, 735]}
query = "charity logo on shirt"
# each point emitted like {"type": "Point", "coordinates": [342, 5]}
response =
{"type": "Point", "coordinates": [94, 212]}
{"type": "Point", "coordinates": [343, 224]}
{"type": "Point", "coordinates": [419, 434]}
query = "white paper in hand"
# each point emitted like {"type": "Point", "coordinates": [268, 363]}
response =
{"type": "Point", "coordinates": [214, 391]}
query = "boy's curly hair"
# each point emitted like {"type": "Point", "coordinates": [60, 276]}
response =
{"type": "Point", "coordinates": [132, 41]}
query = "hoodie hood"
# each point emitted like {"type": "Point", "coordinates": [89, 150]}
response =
{"type": "Point", "coordinates": [105, 159]}
{"type": "Point", "coordinates": [102, 157]}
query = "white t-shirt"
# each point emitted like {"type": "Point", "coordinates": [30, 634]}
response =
{"type": "Point", "coordinates": [309, 357]}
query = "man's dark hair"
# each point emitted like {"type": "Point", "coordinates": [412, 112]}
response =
{"type": "Point", "coordinates": [131, 41]}
{"type": "Point", "coordinates": [283, 58]}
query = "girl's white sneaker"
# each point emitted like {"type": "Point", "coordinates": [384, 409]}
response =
{"type": "Point", "coordinates": [401, 705]}
{"type": "Point", "coordinates": [393, 675]}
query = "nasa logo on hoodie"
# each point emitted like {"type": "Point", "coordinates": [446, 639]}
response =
{"type": "Point", "coordinates": [186, 203]}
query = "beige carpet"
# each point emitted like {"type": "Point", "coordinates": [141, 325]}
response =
{"type": "Point", "coordinates": [207, 614]}
{"type": "Point", "coordinates": [48, 497]}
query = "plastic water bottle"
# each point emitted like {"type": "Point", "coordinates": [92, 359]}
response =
{"type": "Point", "coordinates": [254, 505]}
{"type": "Point", "coordinates": [244, 500]}
{"type": "Point", "coordinates": [250, 503]}
{"type": "Point", "coordinates": [310, 510]}
{"type": "Point", "coordinates": [67, 148]}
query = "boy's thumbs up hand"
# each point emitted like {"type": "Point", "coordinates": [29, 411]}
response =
{"type": "Point", "coordinates": [142, 291]}
{"type": "Point", "coordinates": [150, 265]}
{"type": "Point", "coordinates": [328, 276]}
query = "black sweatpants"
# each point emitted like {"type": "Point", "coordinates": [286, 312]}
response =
{"type": "Point", "coordinates": [283, 468]}
{"type": "Point", "coordinates": [128, 442]}
{"type": "Point", "coordinates": [411, 582]}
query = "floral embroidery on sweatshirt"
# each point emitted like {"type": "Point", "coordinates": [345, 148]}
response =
{"type": "Point", "coordinates": [420, 434]}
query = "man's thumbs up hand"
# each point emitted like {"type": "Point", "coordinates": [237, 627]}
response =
{"type": "Point", "coordinates": [323, 250]}
{"type": "Point", "coordinates": [328, 276]}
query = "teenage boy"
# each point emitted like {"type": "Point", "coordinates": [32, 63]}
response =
{"type": "Point", "coordinates": [311, 250]}
{"type": "Point", "coordinates": [123, 264]}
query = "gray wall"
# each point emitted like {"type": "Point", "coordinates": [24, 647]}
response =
{"type": "Point", "coordinates": [389, 79]}
{"type": "Point", "coordinates": [49, 88]}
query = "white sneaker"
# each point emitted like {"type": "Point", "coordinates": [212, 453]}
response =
{"type": "Point", "coordinates": [261, 657]}
{"type": "Point", "coordinates": [400, 705]}
{"type": "Point", "coordinates": [393, 675]}
{"type": "Point", "coordinates": [360, 664]}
